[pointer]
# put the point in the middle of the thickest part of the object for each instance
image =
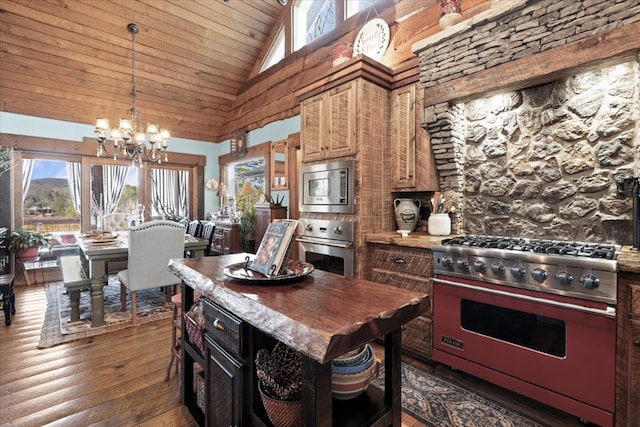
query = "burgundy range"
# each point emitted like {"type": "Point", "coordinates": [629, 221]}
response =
{"type": "Point", "coordinates": [534, 316]}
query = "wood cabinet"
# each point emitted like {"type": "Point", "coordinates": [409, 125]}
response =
{"type": "Point", "coordinates": [412, 269]}
{"type": "Point", "coordinates": [628, 349]}
{"type": "Point", "coordinates": [226, 238]}
{"type": "Point", "coordinates": [226, 368]}
{"type": "Point", "coordinates": [412, 157]}
{"type": "Point", "coordinates": [265, 214]}
{"type": "Point", "coordinates": [328, 123]}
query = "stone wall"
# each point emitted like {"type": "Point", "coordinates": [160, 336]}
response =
{"type": "Point", "coordinates": [543, 161]}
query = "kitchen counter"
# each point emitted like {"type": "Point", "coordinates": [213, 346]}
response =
{"type": "Point", "coordinates": [628, 260]}
{"type": "Point", "coordinates": [418, 240]}
{"type": "Point", "coordinates": [322, 316]}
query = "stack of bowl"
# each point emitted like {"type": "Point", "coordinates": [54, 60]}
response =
{"type": "Point", "coordinates": [352, 372]}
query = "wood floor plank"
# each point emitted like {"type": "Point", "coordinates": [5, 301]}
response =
{"type": "Point", "coordinates": [111, 379]}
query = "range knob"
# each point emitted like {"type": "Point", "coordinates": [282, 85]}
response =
{"type": "Point", "coordinates": [338, 229]}
{"type": "Point", "coordinates": [497, 268]}
{"type": "Point", "coordinates": [308, 227]}
{"type": "Point", "coordinates": [564, 277]}
{"type": "Point", "coordinates": [447, 262]}
{"type": "Point", "coordinates": [462, 264]}
{"type": "Point", "coordinates": [589, 281]}
{"type": "Point", "coordinates": [480, 266]}
{"type": "Point", "coordinates": [539, 275]}
{"type": "Point", "coordinates": [518, 271]}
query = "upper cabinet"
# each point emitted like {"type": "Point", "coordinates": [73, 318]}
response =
{"type": "Point", "coordinates": [413, 162]}
{"type": "Point", "coordinates": [403, 137]}
{"type": "Point", "coordinates": [328, 123]}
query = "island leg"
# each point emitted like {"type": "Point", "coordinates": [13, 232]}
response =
{"type": "Point", "coordinates": [316, 393]}
{"type": "Point", "coordinates": [393, 375]}
{"type": "Point", "coordinates": [97, 270]}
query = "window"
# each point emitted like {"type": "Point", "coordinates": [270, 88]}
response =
{"type": "Point", "coordinates": [276, 53]}
{"type": "Point", "coordinates": [50, 195]}
{"type": "Point", "coordinates": [351, 7]}
{"type": "Point", "coordinates": [114, 189]}
{"type": "Point", "coordinates": [311, 19]}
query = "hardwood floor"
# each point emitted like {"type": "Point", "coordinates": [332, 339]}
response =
{"type": "Point", "coordinates": [118, 378]}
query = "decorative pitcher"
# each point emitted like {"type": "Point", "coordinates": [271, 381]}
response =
{"type": "Point", "coordinates": [407, 213]}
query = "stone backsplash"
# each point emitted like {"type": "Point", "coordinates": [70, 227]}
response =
{"type": "Point", "coordinates": [539, 162]}
{"type": "Point", "coordinates": [544, 161]}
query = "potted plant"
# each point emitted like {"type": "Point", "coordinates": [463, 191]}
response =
{"type": "Point", "coordinates": [247, 227]}
{"type": "Point", "coordinates": [26, 244]}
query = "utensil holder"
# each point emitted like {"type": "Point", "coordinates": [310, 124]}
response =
{"type": "Point", "coordinates": [439, 224]}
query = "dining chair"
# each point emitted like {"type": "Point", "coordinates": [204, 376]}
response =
{"type": "Point", "coordinates": [207, 233]}
{"type": "Point", "coordinates": [115, 222]}
{"type": "Point", "coordinates": [194, 228]}
{"type": "Point", "coordinates": [151, 245]}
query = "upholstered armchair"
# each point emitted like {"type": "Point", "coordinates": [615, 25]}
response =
{"type": "Point", "coordinates": [115, 222]}
{"type": "Point", "coordinates": [151, 246]}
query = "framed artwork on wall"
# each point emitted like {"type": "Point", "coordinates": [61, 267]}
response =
{"type": "Point", "coordinates": [239, 142]}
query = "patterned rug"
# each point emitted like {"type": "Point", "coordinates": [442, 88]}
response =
{"type": "Point", "coordinates": [58, 328]}
{"type": "Point", "coordinates": [437, 402]}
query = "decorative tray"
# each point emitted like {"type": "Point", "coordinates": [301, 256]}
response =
{"type": "Point", "coordinates": [296, 270]}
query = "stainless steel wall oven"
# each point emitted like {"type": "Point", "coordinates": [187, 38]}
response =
{"type": "Point", "coordinates": [327, 244]}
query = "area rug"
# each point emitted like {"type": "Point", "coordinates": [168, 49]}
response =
{"type": "Point", "coordinates": [437, 402]}
{"type": "Point", "coordinates": [58, 328]}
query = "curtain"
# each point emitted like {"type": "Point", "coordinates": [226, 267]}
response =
{"type": "Point", "coordinates": [74, 178]}
{"type": "Point", "coordinates": [27, 171]}
{"type": "Point", "coordinates": [169, 195]}
{"type": "Point", "coordinates": [113, 180]}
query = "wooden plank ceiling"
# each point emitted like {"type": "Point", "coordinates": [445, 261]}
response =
{"type": "Point", "coordinates": [71, 59]}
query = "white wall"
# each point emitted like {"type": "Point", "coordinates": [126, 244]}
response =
{"type": "Point", "coordinates": [19, 124]}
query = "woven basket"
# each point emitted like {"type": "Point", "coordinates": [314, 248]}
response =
{"type": "Point", "coordinates": [194, 332]}
{"type": "Point", "coordinates": [282, 413]}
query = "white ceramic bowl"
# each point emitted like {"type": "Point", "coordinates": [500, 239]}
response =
{"type": "Point", "coordinates": [351, 358]}
{"type": "Point", "coordinates": [357, 366]}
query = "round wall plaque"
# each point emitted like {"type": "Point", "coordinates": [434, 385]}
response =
{"type": "Point", "coordinates": [372, 39]}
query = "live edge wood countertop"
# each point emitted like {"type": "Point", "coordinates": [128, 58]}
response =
{"type": "Point", "coordinates": [322, 316]}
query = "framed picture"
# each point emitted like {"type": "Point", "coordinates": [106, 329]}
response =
{"type": "Point", "coordinates": [239, 142]}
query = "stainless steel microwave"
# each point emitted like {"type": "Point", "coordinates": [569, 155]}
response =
{"type": "Point", "coordinates": [328, 187]}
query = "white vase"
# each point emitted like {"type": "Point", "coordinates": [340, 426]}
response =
{"type": "Point", "coordinates": [407, 213]}
{"type": "Point", "coordinates": [439, 224]}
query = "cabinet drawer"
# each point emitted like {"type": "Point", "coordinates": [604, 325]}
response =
{"type": "Point", "coordinates": [223, 327]}
{"type": "Point", "coordinates": [403, 260]}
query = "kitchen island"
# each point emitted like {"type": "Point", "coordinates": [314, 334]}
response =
{"type": "Point", "coordinates": [322, 315]}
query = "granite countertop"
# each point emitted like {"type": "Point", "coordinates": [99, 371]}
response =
{"type": "Point", "coordinates": [628, 260]}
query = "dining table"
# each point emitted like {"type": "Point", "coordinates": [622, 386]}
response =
{"type": "Point", "coordinates": [98, 251]}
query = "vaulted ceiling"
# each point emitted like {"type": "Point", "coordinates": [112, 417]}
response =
{"type": "Point", "coordinates": [196, 60]}
{"type": "Point", "coordinates": [71, 59]}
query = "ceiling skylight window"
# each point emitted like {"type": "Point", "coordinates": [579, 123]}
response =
{"type": "Point", "coordinates": [312, 18]}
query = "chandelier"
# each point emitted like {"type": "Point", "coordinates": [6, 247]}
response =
{"type": "Point", "coordinates": [128, 140]}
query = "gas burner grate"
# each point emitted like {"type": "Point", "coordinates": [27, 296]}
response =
{"type": "Point", "coordinates": [541, 246]}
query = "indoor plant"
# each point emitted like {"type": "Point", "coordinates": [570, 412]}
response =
{"type": "Point", "coordinates": [247, 227]}
{"type": "Point", "coordinates": [26, 243]}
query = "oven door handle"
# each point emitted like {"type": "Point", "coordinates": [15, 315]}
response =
{"type": "Point", "coordinates": [609, 312]}
{"type": "Point", "coordinates": [325, 242]}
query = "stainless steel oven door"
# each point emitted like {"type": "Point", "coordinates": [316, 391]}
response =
{"type": "Point", "coordinates": [327, 255]}
{"type": "Point", "coordinates": [554, 349]}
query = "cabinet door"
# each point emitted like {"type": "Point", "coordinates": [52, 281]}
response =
{"type": "Point", "coordinates": [340, 139]}
{"type": "Point", "coordinates": [217, 244]}
{"type": "Point", "coordinates": [403, 137]}
{"type": "Point", "coordinates": [312, 128]}
{"type": "Point", "coordinates": [225, 405]}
